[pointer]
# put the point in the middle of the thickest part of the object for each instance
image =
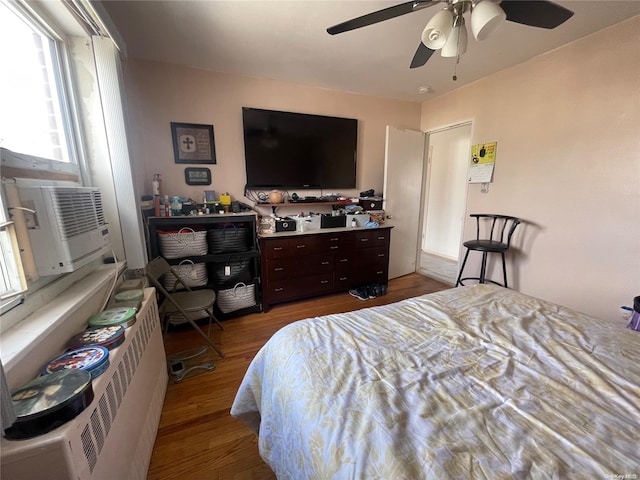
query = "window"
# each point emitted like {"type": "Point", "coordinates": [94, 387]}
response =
{"type": "Point", "coordinates": [12, 281]}
{"type": "Point", "coordinates": [34, 119]}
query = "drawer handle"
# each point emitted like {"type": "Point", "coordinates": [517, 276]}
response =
{"type": "Point", "coordinates": [342, 279]}
{"type": "Point", "coordinates": [325, 263]}
{"type": "Point", "coordinates": [381, 238]}
{"type": "Point", "coordinates": [277, 249]}
{"type": "Point", "coordinates": [344, 260]}
{"type": "Point", "coordinates": [364, 239]}
{"type": "Point", "coordinates": [333, 247]}
{"type": "Point", "coordinates": [300, 246]}
{"type": "Point", "coordinates": [278, 269]}
{"type": "Point", "coordinates": [380, 272]}
{"type": "Point", "coordinates": [278, 289]}
{"type": "Point", "coordinates": [324, 281]}
{"type": "Point", "coordinates": [334, 239]}
{"type": "Point", "coordinates": [381, 254]}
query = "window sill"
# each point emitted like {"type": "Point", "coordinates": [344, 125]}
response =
{"type": "Point", "coordinates": [29, 344]}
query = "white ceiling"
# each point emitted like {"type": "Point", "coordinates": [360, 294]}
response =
{"type": "Point", "coordinates": [287, 40]}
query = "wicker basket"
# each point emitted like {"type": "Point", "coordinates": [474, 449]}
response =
{"type": "Point", "coordinates": [192, 274]}
{"type": "Point", "coordinates": [228, 239]}
{"type": "Point", "coordinates": [186, 242]}
{"type": "Point", "coordinates": [236, 298]}
{"type": "Point", "coordinates": [234, 270]}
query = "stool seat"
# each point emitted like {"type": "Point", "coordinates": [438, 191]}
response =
{"type": "Point", "coordinates": [486, 246]}
{"type": "Point", "coordinates": [494, 231]}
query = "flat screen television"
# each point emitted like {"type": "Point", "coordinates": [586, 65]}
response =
{"type": "Point", "coordinates": [298, 151]}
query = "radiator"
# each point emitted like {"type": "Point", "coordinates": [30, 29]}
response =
{"type": "Point", "coordinates": [112, 439]}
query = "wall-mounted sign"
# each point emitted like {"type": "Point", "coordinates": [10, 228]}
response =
{"type": "Point", "coordinates": [193, 143]}
{"type": "Point", "coordinates": [483, 159]}
{"type": "Point", "coordinates": [197, 176]}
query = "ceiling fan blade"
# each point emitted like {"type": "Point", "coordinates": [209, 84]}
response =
{"type": "Point", "coordinates": [422, 55]}
{"type": "Point", "coordinates": [381, 15]}
{"type": "Point", "coordinates": [536, 13]}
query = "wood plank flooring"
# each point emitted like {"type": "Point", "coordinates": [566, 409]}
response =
{"type": "Point", "coordinates": [197, 438]}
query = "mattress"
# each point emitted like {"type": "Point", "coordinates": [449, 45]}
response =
{"type": "Point", "coordinates": [472, 382]}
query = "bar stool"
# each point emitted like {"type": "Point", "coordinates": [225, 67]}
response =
{"type": "Point", "coordinates": [493, 244]}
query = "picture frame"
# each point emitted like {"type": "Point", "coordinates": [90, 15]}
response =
{"type": "Point", "coordinates": [193, 143]}
{"type": "Point", "coordinates": [197, 176]}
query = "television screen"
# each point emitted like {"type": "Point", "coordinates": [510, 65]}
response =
{"type": "Point", "coordinates": [297, 150]}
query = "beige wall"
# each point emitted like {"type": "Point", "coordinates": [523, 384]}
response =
{"type": "Point", "coordinates": [568, 162]}
{"type": "Point", "coordinates": [158, 94]}
{"type": "Point", "coordinates": [568, 158]}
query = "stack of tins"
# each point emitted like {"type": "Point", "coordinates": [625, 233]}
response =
{"type": "Point", "coordinates": [64, 387]}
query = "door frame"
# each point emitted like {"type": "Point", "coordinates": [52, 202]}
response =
{"type": "Point", "coordinates": [425, 185]}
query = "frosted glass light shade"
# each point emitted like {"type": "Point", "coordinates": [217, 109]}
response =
{"type": "Point", "coordinates": [456, 43]}
{"type": "Point", "coordinates": [486, 18]}
{"type": "Point", "coordinates": [437, 31]}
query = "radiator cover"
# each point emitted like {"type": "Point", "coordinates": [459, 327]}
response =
{"type": "Point", "coordinates": [114, 437]}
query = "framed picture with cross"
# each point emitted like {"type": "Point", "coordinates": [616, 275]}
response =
{"type": "Point", "coordinates": [193, 143]}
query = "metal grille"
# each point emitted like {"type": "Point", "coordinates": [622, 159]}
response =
{"type": "Point", "coordinates": [89, 448]}
{"type": "Point", "coordinates": [77, 210]}
{"type": "Point", "coordinates": [104, 414]}
{"type": "Point", "coordinates": [98, 433]}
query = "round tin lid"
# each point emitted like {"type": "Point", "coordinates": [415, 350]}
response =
{"type": "Point", "coordinates": [87, 358]}
{"type": "Point", "coordinates": [48, 393]}
{"type": "Point", "coordinates": [112, 316]}
{"type": "Point", "coordinates": [129, 296]}
{"type": "Point", "coordinates": [101, 336]}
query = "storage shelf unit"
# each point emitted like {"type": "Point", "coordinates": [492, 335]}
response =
{"type": "Point", "coordinates": [224, 268]}
{"type": "Point", "coordinates": [330, 261]}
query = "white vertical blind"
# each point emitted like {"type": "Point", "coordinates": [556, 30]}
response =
{"type": "Point", "coordinates": [109, 77]}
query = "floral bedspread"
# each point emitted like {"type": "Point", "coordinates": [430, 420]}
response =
{"type": "Point", "coordinates": [477, 382]}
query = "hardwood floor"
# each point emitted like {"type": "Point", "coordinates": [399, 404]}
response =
{"type": "Point", "coordinates": [197, 438]}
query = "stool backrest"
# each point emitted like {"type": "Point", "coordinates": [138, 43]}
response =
{"type": "Point", "coordinates": [496, 226]}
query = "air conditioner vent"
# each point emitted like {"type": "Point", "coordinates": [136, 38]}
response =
{"type": "Point", "coordinates": [78, 211]}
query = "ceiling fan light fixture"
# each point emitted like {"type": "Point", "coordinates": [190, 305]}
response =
{"type": "Point", "coordinates": [457, 41]}
{"type": "Point", "coordinates": [486, 18]}
{"type": "Point", "coordinates": [437, 31]}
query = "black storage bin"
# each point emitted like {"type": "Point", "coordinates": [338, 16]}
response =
{"type": "Point", "coordinates": [231, 271]}
{"type": "Point", "coordinates": [328, 221]}
{"type": "Point", "coordinates": [228, 238]}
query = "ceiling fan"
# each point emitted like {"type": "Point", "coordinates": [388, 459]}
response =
{"type": "Point", "coordinates": [447, 32]}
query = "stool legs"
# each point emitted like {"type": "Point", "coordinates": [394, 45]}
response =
{"type": "Point", "coordinates": [458, 282]}
{"type": "Point", "coordinates": [483, 267]}
{"type": "Point", "coordinates": [483, 270]}
{"type": "Point", "coordinates": [504, 270]}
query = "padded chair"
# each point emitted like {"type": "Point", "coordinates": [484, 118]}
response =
{"type": "Point", "coordinates": [182, 300]}
{"type": "Point", "coordinates": [496, 225]}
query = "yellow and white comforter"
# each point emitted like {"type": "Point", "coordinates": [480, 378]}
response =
{"type": "Point", "coordinates": [474, 382]}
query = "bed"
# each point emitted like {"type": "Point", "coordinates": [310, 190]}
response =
{"type": "Point", "coordinates": [472, 382]}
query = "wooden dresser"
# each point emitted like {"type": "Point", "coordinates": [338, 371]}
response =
{"type": "Point", "coordinates": [301, 265]}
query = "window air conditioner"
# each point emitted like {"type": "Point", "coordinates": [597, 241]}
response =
{"type": "Point", "coordinates": [66, 225]}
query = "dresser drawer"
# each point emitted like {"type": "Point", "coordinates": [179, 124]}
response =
{"type": "Point", "coordinates": [291, 246]}
{"type": "Point", "coordinates": [292, 267]}
{"type": "Point", "coordinates": [275, 248]}
{"type": "Point", "coordinates": [371, 238]}
{"type": "Point", "coordinates": [336, 242]}
{"type": "Point", "coordinates": [283, 290]}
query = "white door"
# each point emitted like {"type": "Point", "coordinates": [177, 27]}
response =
{"type": "Point", "coordinates": [445, 201]}
{"type": "Point", "coordinates": [403, 173]}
